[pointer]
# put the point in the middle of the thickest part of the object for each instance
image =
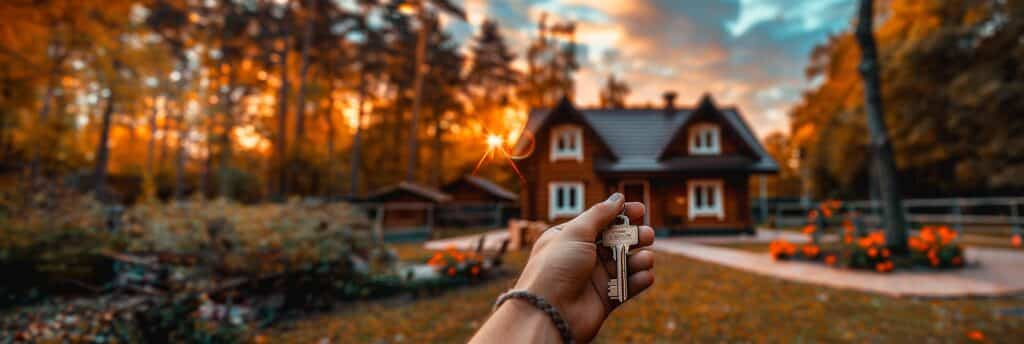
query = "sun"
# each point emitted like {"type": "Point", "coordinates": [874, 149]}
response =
{"type": "Point", "coordinates": [494, 141]}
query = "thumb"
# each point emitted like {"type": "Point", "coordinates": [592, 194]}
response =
{"type": "Point", "coordinates": [592, 222]}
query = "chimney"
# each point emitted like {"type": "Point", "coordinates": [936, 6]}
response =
{"type": "Point", "coordinates": [670, 102]}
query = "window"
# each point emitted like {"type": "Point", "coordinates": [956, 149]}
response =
{"type": "Point", "coordinates": [567, 143]}
{"type": "Point", "coordinates": [706, 198]}
{"type": "Point", "coordinates": [566, 199]}
{"type": "Point", "coordinates": [704, 139]}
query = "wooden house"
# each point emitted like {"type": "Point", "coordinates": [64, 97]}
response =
{"type": "Point", "coordinates": [690, 166]}
{"type": "Point", "coordinates": [477, 202]}
{"type": "Point", "coordinates": [405, 211]}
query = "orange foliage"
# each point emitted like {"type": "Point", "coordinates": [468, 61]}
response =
{"type": "Point", "coordinates": [781, 249]}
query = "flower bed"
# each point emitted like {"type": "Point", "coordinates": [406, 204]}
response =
{"type": "Point", "coordinates": [934, 247]}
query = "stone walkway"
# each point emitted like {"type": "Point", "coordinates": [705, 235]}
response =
{"type": "Point", "coordinates": [991, 272]}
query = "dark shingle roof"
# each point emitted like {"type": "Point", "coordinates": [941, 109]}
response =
{"type": "Point", "coordinates": [424, 191]}
{"type": "Point", "coordinates": [492, 188]}
{"type": "Point", "coordinates": [637, 138]}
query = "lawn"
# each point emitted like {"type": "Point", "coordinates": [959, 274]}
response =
{"type": "Point", "coordinates": [691, 301]}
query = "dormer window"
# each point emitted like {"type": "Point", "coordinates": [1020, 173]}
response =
{"type": "Point", "coordinates": [566, 143]}
{"type": "Point", "coordinates": [704, 139]}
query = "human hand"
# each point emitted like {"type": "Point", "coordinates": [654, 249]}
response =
{"type": "Point", "coordinates": [564, 267]}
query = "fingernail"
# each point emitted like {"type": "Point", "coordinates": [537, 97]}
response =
{"type": "Point", "coordinates": [615, 197]}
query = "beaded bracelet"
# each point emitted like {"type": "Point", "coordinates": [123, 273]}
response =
{"type": "Point", "coordinates": [543, 305]}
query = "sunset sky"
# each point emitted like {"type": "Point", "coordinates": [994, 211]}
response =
{"type": "Point", "coordinates": [749, 53]}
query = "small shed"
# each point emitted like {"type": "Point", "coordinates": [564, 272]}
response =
{"type": "Point", "coordinates": [477, 202]}
{"type": "Point", "coordinates": [405, 211]}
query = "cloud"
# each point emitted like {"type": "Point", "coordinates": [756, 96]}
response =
{"type": "Point", "coordinates": [748, 53]}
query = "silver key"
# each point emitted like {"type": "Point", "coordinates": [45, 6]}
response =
{"type": "Point", "coordinates": [619, 237]}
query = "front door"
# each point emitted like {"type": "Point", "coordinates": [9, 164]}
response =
{"type": "Point", "coordinates": [637, 191]}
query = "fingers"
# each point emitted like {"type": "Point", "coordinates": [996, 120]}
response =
{"type": "Point", "coordinates": [635, 212]}
{"type": "Point", "coordinates": [646, 237]}
{"type": "Point", "coordinates": [639, 282]}
{"type": "Point", "coordinates": [640, 261]}
{"type": "Point", "coordinates": [586, 226]}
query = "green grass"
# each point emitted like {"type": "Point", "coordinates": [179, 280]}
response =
{"type": "Point", "coordinates": [691, 301]}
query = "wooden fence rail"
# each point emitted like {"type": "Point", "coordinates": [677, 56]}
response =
{"type": "Point", "coordinates": [991, 214]}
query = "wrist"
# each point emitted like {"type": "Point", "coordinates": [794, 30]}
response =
{"type": "Point", "coordinates": [522, 312]}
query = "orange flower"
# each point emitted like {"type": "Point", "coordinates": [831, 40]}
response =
{"type": "Point", "coordinates": [880, 267]}
{"type": "Point", "coordinates": [976, 336]}
{"type": "Point", "coordinates": [475, 270]}
{"type": "Point", "coordinates": [847, 239]}
{"type": "Point", "coordinates": [848, 226]}
{"type": "Point", "coordinates": [928, 235]}
{"type": "Point", "coordinates": [917, 244]}
{"type": "Point", "coordinates": [810, 229]}
{"type": "Point", "coordinates": [813, 214]}
{"type": "Point", "coordinates": [872, 252]}
{"type": "Point", "coordinates": [451, 271]}
{"type": "Point", "coordinates": [885, 253]}
{"type": "Point", "coordinates": [830, 260]}
{"type": "Point", "coordinates": [1016, 240]}
{"type": "Point", "coordinates": [946, 235]}
{"type": "Point", "coordinates": [811, 251]}
{"type": "Point", "coordinates": [878, 237]}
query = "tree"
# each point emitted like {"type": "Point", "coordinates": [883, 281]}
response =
{"type": "Point", "coordinates": [885, 168]}
{"type": "Point", "coordinates": [613, 94]}
{"type": "Point", "coordinates": [419, 70]}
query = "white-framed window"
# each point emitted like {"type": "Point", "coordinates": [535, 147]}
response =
{"type": "Point", "coordinates": [567, 143]}
{"type": "Point", "coordinates": [706, 198]}
{"type": "Point", "coordinates": [704, 139]}
{"type": "Point", "coordinates": [565, 199]}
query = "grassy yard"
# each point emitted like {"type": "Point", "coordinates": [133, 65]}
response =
{"type": "Point", "coordinates": [691, 301]}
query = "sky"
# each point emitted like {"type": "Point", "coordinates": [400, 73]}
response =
{"type": "Point", "coordinates": [746, 53]}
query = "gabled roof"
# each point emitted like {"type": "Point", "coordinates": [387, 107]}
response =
{"type": "Point", "coordinates": [420, 190]}
{"type": "Point", "coordinates": [491, 188]}
{"type": "Point", "coordinates": [638, 138]}
{"type": "Point", "coordinates": [538, 118]}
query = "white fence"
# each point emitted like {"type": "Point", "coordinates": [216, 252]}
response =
{"type": "Point", "coordinates": [992, 214]}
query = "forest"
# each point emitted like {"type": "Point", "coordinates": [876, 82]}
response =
{"type": "Point", "coordinates": [954, 93]}
{"type": "Point", "coordinates": [261, 99]}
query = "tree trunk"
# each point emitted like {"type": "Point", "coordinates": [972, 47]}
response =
{"type": "Point", "coordinates": [355, 161]}
{"type": "Point", "coordinates": [44, 110]}
{"type": "Point", "coordinates": [885, 167]}
{"type": "Point", "coordinates": [282, 122]}
{"type": "Point", "coordinates": [300, 102]}
{"type": "Point", "coordinates": [151, 145]}
{"type": "Point", "coordinates": [164, 129]}
{"type": "Point", "coordinates": [331, 133]}
{"type": "Point", "coordinates": [102, 150]}
{"type": "Point", "coordinates": [417, 101]}
{"type": "Point", "coordinates": [436, 175]}
{"type": "Point", "coordinates": [224, 171]}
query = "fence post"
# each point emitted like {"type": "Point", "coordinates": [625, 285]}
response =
{"type": "Point", "coordinates": [778, 215]}
{"type": "Point", "coordinates": [1014, 219]}
{"type": "Point", "coordinates": [430, 220]}
{"type": "Point", "coordinates": [378, 225]}
{"type": "Point", "coordinates": [497, 215]}
{"type": "Point", "coordinates": [958, 216]}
